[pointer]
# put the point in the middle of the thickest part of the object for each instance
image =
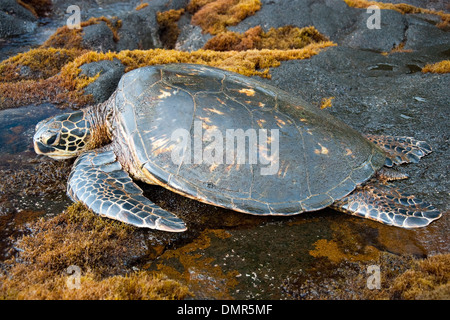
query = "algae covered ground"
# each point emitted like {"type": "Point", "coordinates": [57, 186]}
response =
{"type": "Point", "coordinates": [393, 80]}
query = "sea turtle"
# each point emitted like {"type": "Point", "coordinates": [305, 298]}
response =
{"type": "Point", "coordinates": [165, 125]}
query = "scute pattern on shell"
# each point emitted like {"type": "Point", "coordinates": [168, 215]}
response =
{"type": "Point", "coordinates": [321, 159]}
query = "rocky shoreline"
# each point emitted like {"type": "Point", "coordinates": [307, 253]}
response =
{"type": "Point", "coordinates": [393, 80]}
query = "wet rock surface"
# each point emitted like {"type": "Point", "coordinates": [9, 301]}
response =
{"type": "Point", "coordinates": [333, 18]}
{"type": "Point", "coordinates": [139, 30]}
{"type": "Point", "coordinates": [375, 79]}
{"type": "Point", "coordinates": [109, 72]}
{"type": "Point", "coordinates": [98, 37]}
{"type": "Point", "coordinates": [15, 19]}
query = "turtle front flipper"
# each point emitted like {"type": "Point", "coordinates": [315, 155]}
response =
{"type": "Point", "coordinates": [97, 180]}
{"type": "Point", "coordinates": [386, 205]}
{"type": "Point", "coordinates": [400, 149]}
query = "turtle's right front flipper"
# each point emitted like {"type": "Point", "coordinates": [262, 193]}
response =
{"type": "Point", "coordinates": [97, 180]}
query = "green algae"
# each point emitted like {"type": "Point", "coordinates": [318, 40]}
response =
{"type": "Point", "coordinates": [169, 30]}
{"type": "Point", "coordinates": [215, 16]}
{"type": "Point", "coordinates": [343, 260]}
{"type": "Point", "coordinates": [189, 265]}
{"type": "Point", "coordinates": [66, 38]}
{"type": "Point", "coordinates": [283, 38]}
{"type": "Point", "coordinates": [101, 248]}
{"type": "Point", "coordinates": [67, 88]}
{"type": "Point", "coordinates": [438, 67]}
{"type": "Point", "coordinates": [402, 8]}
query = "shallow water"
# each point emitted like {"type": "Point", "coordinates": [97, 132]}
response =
{"type": "Point", "coordinates": [17, 127]}
{"type": "Point", "coordinates": [21, 202]}
{"type": "Point", "coordinates": [224, 254]}
{"type": "Point", "coordinates": [237, 256]}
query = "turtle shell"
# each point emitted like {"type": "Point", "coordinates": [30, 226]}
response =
{"type": "Point", "coordinates": [305, 158]}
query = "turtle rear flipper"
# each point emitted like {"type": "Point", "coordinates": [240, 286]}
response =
{"type": "Point", "coordinates": [97, 180]}
{"type": "Point", "coordinates": [400, 149]}
{"type": "Point", "coordinates": [386, 205]}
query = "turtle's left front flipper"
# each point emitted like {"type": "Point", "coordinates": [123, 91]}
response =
{"type": "Point", "coordinates": [97, 180]}
{"type": "Point", "coordinates": [386, 205]}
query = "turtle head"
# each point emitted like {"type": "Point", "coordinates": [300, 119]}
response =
{"type": "Point", "coordinates": [63, 136]}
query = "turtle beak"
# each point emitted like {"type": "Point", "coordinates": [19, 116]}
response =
{"type": "Point", "coordinates": [42, 149]}
{"type": "Point", "coordinates": [39, 147]}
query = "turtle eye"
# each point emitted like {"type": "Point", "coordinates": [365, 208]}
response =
{"type": "Point", "coordinates": [51, 138]}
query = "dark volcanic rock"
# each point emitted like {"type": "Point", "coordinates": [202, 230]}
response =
{"type": "Point", "coordinates": [15, 19]}
{"type": "Point", "coordinates": [344, 25]}
{"type": "Point", "coordinates": [436, 5]}
{"type": "Point", "coordinates": [333, 18]}
{"type": "Point", "coordinates": [390, 35]}
{"type": "Point", "coordinates": [139, 30]}
{"type": "Point", "coordinates": [11, 7]}
{"type": "Point", "coordinates": [110, 74]}
{"type": "Point", "coordinates": [92, 8]}
{"type": "Point", "coordinates": [98, 37]}
{"type": "Point", "coordinates": [191, 37]}
{"type": "Point", "coordinates": [420, 34]}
